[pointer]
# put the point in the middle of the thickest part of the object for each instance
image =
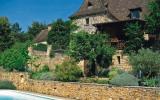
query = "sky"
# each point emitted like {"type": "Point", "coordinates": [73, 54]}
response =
{"type": "Point", "coordinates": [46, 11]}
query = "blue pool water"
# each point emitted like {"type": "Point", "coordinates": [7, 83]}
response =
{"type": "Point", "coordinates": [17, 95]}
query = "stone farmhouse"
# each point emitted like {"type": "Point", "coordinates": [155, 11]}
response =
{"type": "Point", "coordinates": [110, 17]}
{"type": "Point", "coordinates": [107, 16]}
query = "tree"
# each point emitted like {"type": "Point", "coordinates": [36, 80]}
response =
{"type": "Point", "coordinates": [15, 58]}
{"type": "Point", "coordinates": [135, 37]}
{"type": "Point", "coordinates": [146, 62]}
{"type": "Point", "coordinates": [153, 19]}
{"type": "Point", "coordinates": [92, 47]}
{"type": "Point", "coordinates": [6, 38]}
{"type": "Point", "coordinates": [35, 29]}
{"type": "Point", "coordinates": [59, 36]}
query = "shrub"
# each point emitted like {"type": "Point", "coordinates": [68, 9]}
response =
{"type": "Point", "coordinates": [15, 58]}
{"type": "Point", "coordinates": [42, 76]}
{"type": "Point", "coordinates": [94, 80]}
{"type": "Point", "coordinates": [152, 82]}
{"type": "Point", "coordinates": [45, 68]}
{"type": "Point", "coordinates": [68, 71]}
{"type": "Point", "coordinates": [114, 72]}
{"type": "Point", "coordinates": [7, 85]}
{"type": "Point", "coordinates": [40, 47]}
{"type": "Point", "coordinates": [147, 62]}
{"type": "Point", "coordinates": [124, 79]}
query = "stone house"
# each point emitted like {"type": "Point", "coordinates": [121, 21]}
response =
{"type": "Point", "coordinates": [41, 58]}
{"type": "Point", "coordinates": [111, 16]}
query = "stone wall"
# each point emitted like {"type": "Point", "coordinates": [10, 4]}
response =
{"type": "Point", "coordinates": [95, 19]}
{"type": "Point", "coordinates": [121, 61]}
{"type": "Point", "coordinates": [81, 91]}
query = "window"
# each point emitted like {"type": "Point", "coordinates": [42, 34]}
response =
{"type": "Point", "coordinates": [119, 59]}
{"type": "Point", "coordinates": [87, 21]}
{"type": "Point", "coordinates": [135, 13]}
{"type": "Point", "coordinates": [90, 6]}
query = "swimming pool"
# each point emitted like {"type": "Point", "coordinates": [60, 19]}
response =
{"type": "Point", "coordinates": [18, 95]}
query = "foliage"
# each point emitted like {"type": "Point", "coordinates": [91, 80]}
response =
{"type": "Point", "coordinates": [153, 21]}
{"type": "Point", "coordinates": [114, 72]}
{"type": "Point", "coordinates": [59, 36]}
{"type": "Point", "coordinates": [152, 82]}
{"type": "Point", "coordinates": [145, 61]}
{"type": "Point", "coordinates": [92, 47]}
{"type": "Point", "coordinates": [6, 38]}
{"type": "Point", "coordinates": [68, 71]}
{"type": "Point", "coordinates": [43, 75]}
{"type": "Point", "coordinates": [15, 58]}
{"type": "Point", "coordinates": [35, 29]}
{"type": "Point", "coordinates": [135, 37]}
{"type": "Point", "coordinates": [102, 72]}
{"type": "Point", "coordinates": [153, 18]}
{"type": "Point", "coordinates": [40, 47]}
{"type": "Point", "coordinates": [94, 80]}
{"type": "Point", "coordinates": [7, 85]}
{"type": "Point", "coordinates": [124, 79]}
{"type": "Point", "coordinates": [45, 68]}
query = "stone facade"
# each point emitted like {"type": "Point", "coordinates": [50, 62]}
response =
{"type": "Point", "coordinates": [121, 61]}
{"type": "Point", "coordinates": [81, 91]}
{"type": "Point", "coordinates": [94, 19]}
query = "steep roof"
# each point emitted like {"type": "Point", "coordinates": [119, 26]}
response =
{"type": "Point", "coordinates": [42, 36]}
{"type": "Point", "coordinates": [119, 9]}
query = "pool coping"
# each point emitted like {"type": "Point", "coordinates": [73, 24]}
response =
{"type": "Point", "coordinates": [38, 95]}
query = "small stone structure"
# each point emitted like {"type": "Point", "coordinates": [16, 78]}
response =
{"type": "Point", "coordinates": [121, 61]}
{"type": "Point", "coordinates": [81, 91]}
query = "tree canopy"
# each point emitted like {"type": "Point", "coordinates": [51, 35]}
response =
{"type": "Point", "coordinates": [59, 36]}
{"type": "Point", "coordinates": [35, 29]}
{"type": "Point", "coordinates": [135, 37]}
{"type": "Point", "coordinates": [92, 47]}
{"type": "Point", "coordinates": [6, 38]}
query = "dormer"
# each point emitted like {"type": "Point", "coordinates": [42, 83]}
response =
{"type": "Point", "coordinates": [135, 13]}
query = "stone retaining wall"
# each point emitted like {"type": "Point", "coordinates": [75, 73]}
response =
{"type": "Point", "coordinates": [81, 91]}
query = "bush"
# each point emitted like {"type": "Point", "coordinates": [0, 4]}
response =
{"type": "Point", "coordinates": [15, 58]}
{"type": "Point", "coordinates": [45, 68]}
{"type": "Point", "coordinates": [7, 85]}
{"type": "Point", "coordinates": [114, 72]}
{"type": "Point", "coordinates": [68, 71]}
{"type": "Point", "coordinates": [124, 79]}
{"type": "Point", "coordinates": [40, 47]}
{"type": "Point", "coordinates": [43, 76]}
{"type": "Point", "coordinates": [147, 62]}
{"type": "Point", "coordinates": [94, 80]}
{"type": "Point", "coordinates": [152, 82]}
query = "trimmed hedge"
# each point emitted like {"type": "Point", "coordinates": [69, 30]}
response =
{"type": "Point", "coordinates": [40, 47]}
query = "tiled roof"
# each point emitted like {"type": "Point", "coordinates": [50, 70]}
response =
{"type": "Point", "coordinates": [42, 36]}
{"type": "Point", "coordinates": [119, 9]}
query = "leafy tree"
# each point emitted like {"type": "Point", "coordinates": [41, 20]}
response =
{"type": "Point", "coordinates": [6, 38]}
{"type": "Point", "coordinates": [59, 36]}
{"type": "Point", "coordinates": [92, 47]}
{"type": "Point", "coordinates": [18, 34]}
{"type": "Point", "coordinates": [15, 58]}
{"type": "Point", "coordinates": [135, 37]}
{"type": "Point", "coordinates": [35, 29]}
{"type": "Point", "coordinates": [15, 28]}
{"type": "Point", "coordinates": [146, 63]}
{"type": "Point", "coordinates": [153, 19]}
